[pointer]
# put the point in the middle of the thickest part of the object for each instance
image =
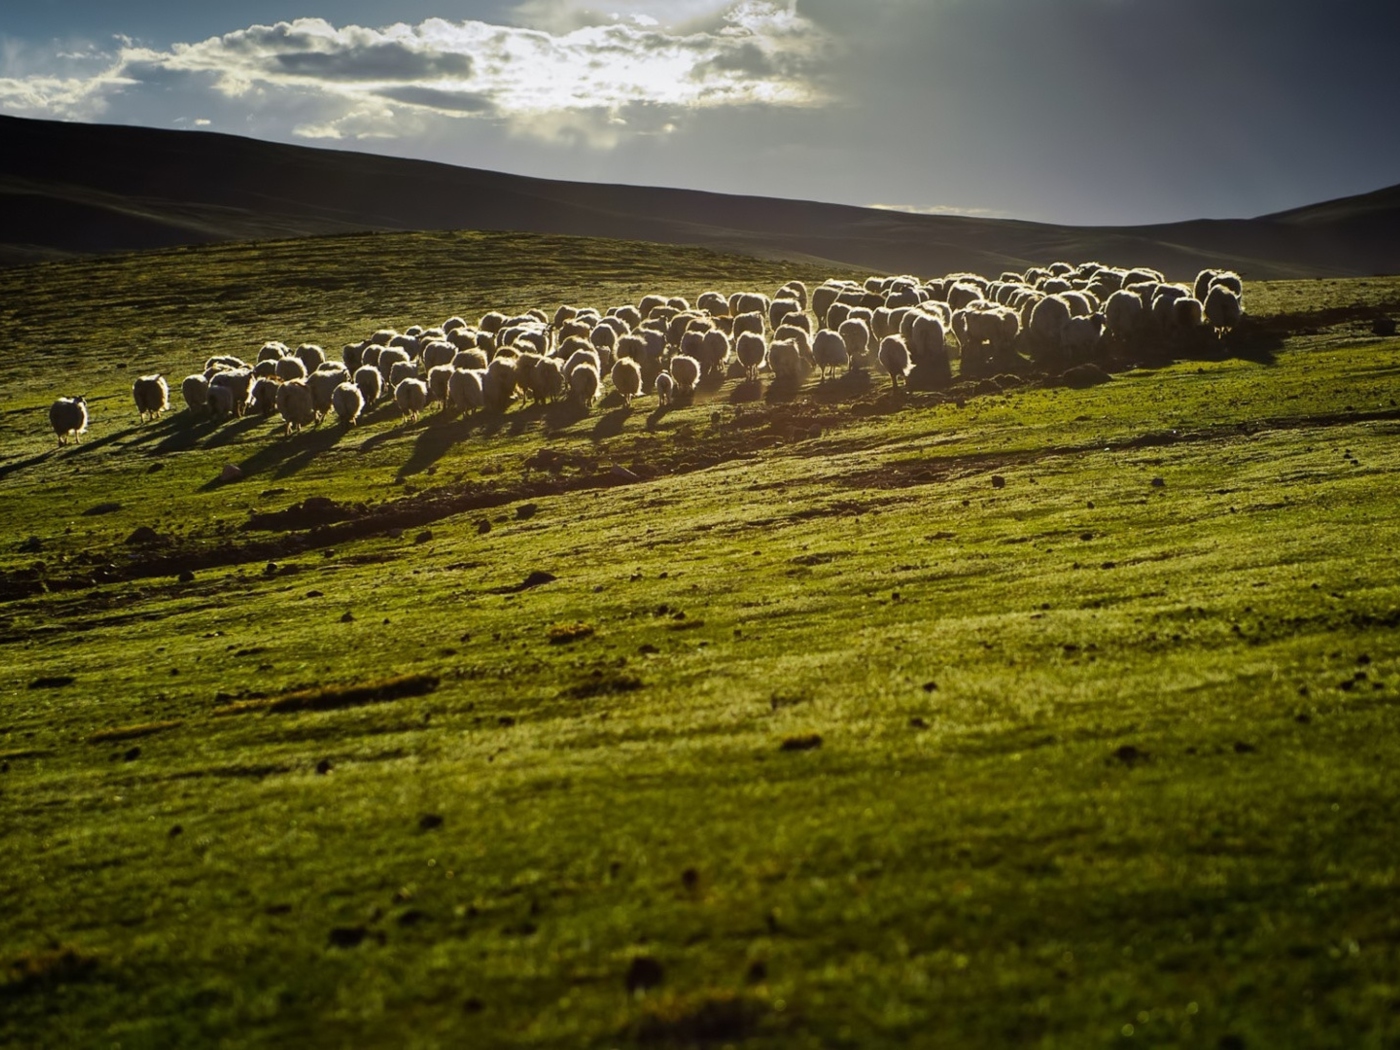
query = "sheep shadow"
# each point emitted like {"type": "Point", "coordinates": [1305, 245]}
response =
{"type": "Point", "coordinates": [183, 434]}
{"type": "Point", "coordinates": [20, 464]}
{"type": "Point", "coordinates": [846, 387]}
{"type": "Point", "coordinates": [611, 424]}
{"type": "Point", "coordinates": [287, 455]}
{"type": "Point", "coordinates": [748, 391]}
{"type": "Point", "coordinates": [657, 414]}
{"type": "Point", "coordinates": [234, 430]}
{"type": "Point", "coordinates": [783, 390]}
{"type": "Point", "coordinates": [564, 414]}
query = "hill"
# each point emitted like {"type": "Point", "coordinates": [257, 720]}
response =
{"type": "Point", "coordinates": [826, 716]}
{"type": "Point", "coordinates": [68, 189]}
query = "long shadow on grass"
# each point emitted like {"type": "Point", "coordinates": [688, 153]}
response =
{"type": "Point", "coordinates": [285, 456]}
{"type": "Point", "coordinates": [10, 468]}
{"type": "Point", "coordinates": [611, 424]}
{"type": "Point", "coordinates": [748, 390]}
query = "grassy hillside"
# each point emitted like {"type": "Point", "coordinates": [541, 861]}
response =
{"type": "Point", "coordinates": [71, 188]}
{"type": "Point", "coordinates": [1043, 717]}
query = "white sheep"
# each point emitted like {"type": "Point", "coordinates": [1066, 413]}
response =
{"type": "Point", "coordinates": [262, 398]}
{"type": "Point", "coordinates": [401, 370]}
{"type": "Point", "coordinates": [779, 309]}
{"type": "Point", "coordinates": [715, 352]}
{"type": "Point", "coordinates": [322, 384]}
{"type": "Point", "coordinates": [348, 403]}
{"type": "Point", "coordinates": [686, 373]}
{"type": "Point", "coordinates": [1080, 336]}
{"type": "Point", "coordinates": [1124, 312]}
{"type": "Point", "coordinates": [829, 352]}
{"type": "Point", "coordinates": [388, 357]}
{"type": "Point", "coordinates": [473, 358]}
{"type": "Point", "coordinates": [785, 361]}
{"type": "Point", "coordinates": [69, 418]}
{"type": "Point", "coordinates": [751, 349]}
{"type": "Point", "coordinates": [498, 385]}
{"type": "Point", "coordinates": [239, 383]}
{"type": "Point", "coordinates": [438, 378]}
{"type": "Point", "coordinates": [265, 370]}
{"type": "Point", "coordinates": [627, 379]}
{"type": "Point", "coordinates": [438, 352]}
{"type": "Point", "coordinates": [221, 404]}
{"type": "Point", "coordinates": [894, 358]}
{"type": "Point", "coordinates": [1223, 308]}
{"type": "Point", "coordinates": [855, 333]}
{"type": "Point", "coordinates": [411, 395]}
{"type": "Point", "coordinates": [464, 389]}
{"type": "Point", "coordinates": [1047, 323]}
{"type": "Point", "coordinates": [151, 395]}
{"type": "Point", "coordinates": [665, 388]}
{"type": "Point", "coordinates": [311, 355]}
{"type": "Point", "coordinates": [289, 368]}
{"type": "Point", "coordinates": [584, 384]}
{"type": "Point", "coordinates": [295, 406]}
{"type": "Point", "coordinates": [195, 390]}
{"type": "Point", "coordinates": [545, 381]}
{"type": "Point", "coordinates": [273, 350]}
{"type": "Point", "coordinates": [583, 357]}
{"type": "Point", "coordinates": [371, 384]}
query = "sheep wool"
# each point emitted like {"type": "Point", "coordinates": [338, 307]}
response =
{"type": "Point", "coordinates": [686, 373]}
{"type": "Point", "coordinates": [195, 390]}
{"type": "Point", "coordinates": [829, 352]}
{"type": "Point", "coordinates": [894, 358]}
{"type": "Point", "coordinates": [151, 395]}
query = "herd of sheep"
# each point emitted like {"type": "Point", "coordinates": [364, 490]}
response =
{"type": "Point", "coordinates": [1053, 317]}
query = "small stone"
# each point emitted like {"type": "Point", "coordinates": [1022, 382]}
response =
{"type": "Point", "coordinates": [314, 594]}
{"type": "Point", "coordinates": [918, 723]}
{"type": "Point", "coordinates": [230, 473]}
{"type": "Point", "coordinates": [323, 767]}
{"type": "Point", "coordinates": [930, 687]}
{"type": "Point", "coordinates": [425, 536]}
{"type": "Point", "coordinates": [349, 617]}
{"type": "Point", "coordinates": [186, 577]}
{"type": "Point", "coordinates": [270, 569]}
{"type": "Point", "coordinates": [347, 936]}
{"type": "Point", "coordinates": [1242, 748]}
{"type": "Point", "coordinates": [998, 482]}
{"type": "Point", "coordinates": [176, 831]}
{"type": "Point", "coordinates": [1159, 483]}
{"type": "Point", "coordinates": [429, 822]}
{"type": "Point", "coordinates": [526, 511]}
{"type": "Point", "coordinates": [132, 754]}
{"type": "Point", "coordinates": [483, 526]}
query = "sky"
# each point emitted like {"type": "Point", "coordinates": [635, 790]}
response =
{"type": "Point", "coordinates": [1099, 112]}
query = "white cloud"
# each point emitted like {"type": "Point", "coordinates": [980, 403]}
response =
{"type": "Point", "coordinates": [352, 81]}
{"type": "Point", "coordinates": [941, 209]}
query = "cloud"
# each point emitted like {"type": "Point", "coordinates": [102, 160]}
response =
{"type": "Point", "coordinates": [535, 82]}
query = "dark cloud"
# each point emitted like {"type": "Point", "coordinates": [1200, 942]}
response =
{"type": "Point", "coordinates": [436, 98]}
{"type": "Point", "coordinates": [386, 61]}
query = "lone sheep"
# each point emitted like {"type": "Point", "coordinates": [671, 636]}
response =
{"type": "Point", "coordinates": [68, 416]}
{"type": "Point", "coordinates": [152, 396]}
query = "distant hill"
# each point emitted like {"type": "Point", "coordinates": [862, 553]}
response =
{"type": "Point", "coordinates": [73, 189]}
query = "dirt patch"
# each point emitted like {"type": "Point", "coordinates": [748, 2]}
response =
{"type": "Point", "coordinates": [708, 1018]}
{"type": "Point", "coordinates": [333, 697]}
{"type": "Point", "coordinates": [35, 971]}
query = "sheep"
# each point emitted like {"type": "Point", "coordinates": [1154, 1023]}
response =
{"type": "Point", "coordinates": [712, 303]}
{"type": "Point", "coordinates": [371, 355]}
{"type": "Point", "coordinates": [438, 378]}
{"type": "Point", "coordinates": [714, 354]}
{"type": "Point", "coordinates": [491, 321]}
{"type": "Point", "coordinates": [221, 402]}
{"type": "Point", "coordinates": [801, 321]}
{"type": "Point", "coordinates": [265, 370]}
{"type": "Point", "coordinates": [452, 324]}
{"type": "Point", "coordinates": [464, 389]}
{"type": "Point", "coordinates": [311, 355]}
{"type": "Point", "coordinates": [649, 303]}
{"type": "Point", "coordinates": [751, 349]}
{"type": "Point", "coordinates": [1047, 322]}
{"type": "Point", "coordinates": [239, 383]}
{"type": "Point", "coordinates": [295, 406]}
{"type": "Point", "coordinates": [1124, 312]}
{"type": "Point", "coordinates": [628, 315]}
{"type": "Point", "coordinates": [665, 388]}
{"type": "Point", "coordinates": [411, 395]}
{"type": "Point", "coordinates": [1161, 306]}
{"type": "Point", "coordinates": [546, 379]}
{"type": "Point", "coordinates": [1080, 336]}
{"type": "Point", "coordinates": [837, 314]}
{"type": "Point", "coordinates": [151, 395]}
{"type": "Point", "coordinates": [584, 384]}
{"type": "Point", "coordinates": [348, 403]}
{"type": "Point", "coordinates": [289, 368]}
{"type": "Point", "coordinates": [271, 351]}
{"type": "Point", "coordinates": [856, 335]}
{"type": "Point", "coordinates": [408, 343]}
{"type": "Point", "coordinates": [829, 352]}
{"type": "Point", "coordinates": [472, 358]}
{"type": "Point", "coordinates": [498, 385]}
{"type": "Point", "coordinates": [401, 370]}
{"type": "Point", "coordinates": [262, 398]}
{"type": "Point", "coordinates": [463, 338]}
{"type": "Point", "coordinates": [779, 309]}
{"type": "Point", "coordinates": [894, 358]}
{"type": "Point", "coordinates": [627, 379]}
{"type": "Point", "coordinates": [371, 384]}
{"type": "Point", "coordinates": [438, 352]}
{"type": "Point", "coordinates": [749, 322]}
{"type": "Point", "coordinates": [785, 362]}
{"type": "Point", "coordinates": [388, 358]}
{"type": "Point", "coordinates": [1222, 308]}
{"type": "Point", "coordinates": [69, 418]}
{"type": "Point", "coordinates": [797, 335]}
{"type": "Point", "coordinates": [794, 290]}
{"type": "Point", "coordinates": [1188, 314]}
{"type": "Point", "coordinates": [223, 363]}
{"type": "Point", "coordinates": [686, 373]}
{"type": "Point", "coordinates": [583, 357]}
{"type": "Point", "coordinates": [747, 303]}
{"type": "Point", "coordinates": [322, 384]}
{"type": "Point", "coordinates": [962, 294]}
{"type": "Point", "coordinates": [195, 390]}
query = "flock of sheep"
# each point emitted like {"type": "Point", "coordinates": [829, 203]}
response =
{"type": "Point", "coordinates": [1055, 316]}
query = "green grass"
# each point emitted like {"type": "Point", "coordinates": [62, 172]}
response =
{"type": "Point", "coordinates": [1105, 755]}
